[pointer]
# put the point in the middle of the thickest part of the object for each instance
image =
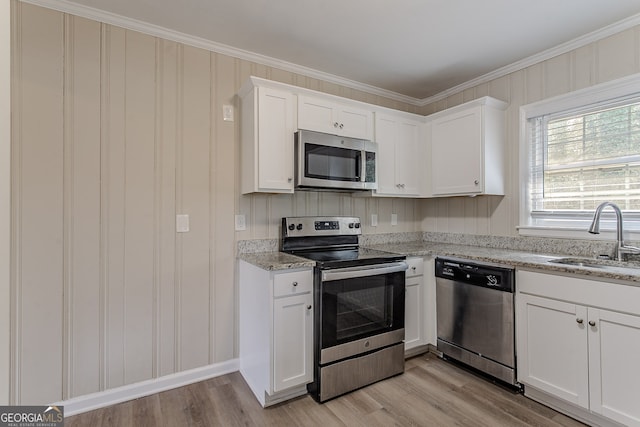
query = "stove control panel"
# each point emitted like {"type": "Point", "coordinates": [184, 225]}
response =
{"type": "Point", "coordinates": [327, 225]}
{"type": "Point", "coordinates": [320, 226]}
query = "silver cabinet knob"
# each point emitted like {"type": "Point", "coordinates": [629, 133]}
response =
{"type": "Point", "coordinates": [592, 323]}
{"type": "Point", "coordinates": [341, 125]}
{"type": "Point", "coordinates": [335, 124]}
{"type": "Point", "coordinates": [289, 179]}
{"type": "Point", "coordinates": [476, 182]}
{"type": "Point", "coordinates": [579, 320]}
{"type": "Point", "coordinates": [308, 307]}
{"type": "Point", "coordinates": [295, 283]}
{"type": "Point", "coordinates": [413, 268]}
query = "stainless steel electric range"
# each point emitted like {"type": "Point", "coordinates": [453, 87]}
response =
{"type": "Point", "coordinates": [359, 295]}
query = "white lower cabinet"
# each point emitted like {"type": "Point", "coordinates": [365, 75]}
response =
{"type": "Point", "coordinates": [292, 341]}
{"type": "Point", "coordinates": [275, 331]}
{"type": "Point", "coordinates": [574, 345]}
{"type": "Point", "coordinates": [419, 314]}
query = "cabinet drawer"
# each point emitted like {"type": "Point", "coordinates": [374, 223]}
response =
{"type": "Point", "coordinates": [295, 282]}
{"type": "Point", "coordinates": [416, 267]}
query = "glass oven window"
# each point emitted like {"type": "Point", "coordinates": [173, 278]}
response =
{"type": "Point", "coordinates": [336, 164]}
{"type": "Point", "coordinates": [357, 308]}
{"type": "Point", "coordinates": [362, 311]}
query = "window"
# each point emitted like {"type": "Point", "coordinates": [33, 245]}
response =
{"type": "Point", "coordinates": [583, 149]}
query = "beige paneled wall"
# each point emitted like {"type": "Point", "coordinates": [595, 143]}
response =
{"type": "Point", "coordinates": [610, 58]}
{"type": "Point", "coordinates": [114, 133]}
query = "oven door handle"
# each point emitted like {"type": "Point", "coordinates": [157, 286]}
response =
{"type": "Point", "coordinates": [365, 271]}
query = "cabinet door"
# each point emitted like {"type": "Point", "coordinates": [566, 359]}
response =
{"type": "Point", "coordinates": [552, 347]}
{"type": "Point", "coordinates": [456, 153]}
{"type": "Point", "coordinates": [614, 355]}
{"type": "Point", "coordinates": [292, 341]}
{"type": "Point", "coordinates": [399, 156]}
{"type": "Point", "coordinates": [386, 137]}
{"type": "Point", "coordinates": [317, 115]}
{"type": "Point", "coordinates": [275, 140]}
{"type": "Point", "coordinates": [408, 156]}
{"type": "Point", "coordinates": [354, 122]}
{"type": "Point", "coordinates": [414, 313]}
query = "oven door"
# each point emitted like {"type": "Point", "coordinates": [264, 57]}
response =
{"type": "Point", "coordinates": [361, 309]}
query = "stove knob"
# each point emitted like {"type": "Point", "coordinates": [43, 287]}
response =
{"type": "Point", "coordinates": [351, 225]}
{"type": "Point", "coordinates": [292, 227]}
{"type": "Point", "coordinates": [357, 225]}
{"type": "Point", "coordinates": [299, 227]}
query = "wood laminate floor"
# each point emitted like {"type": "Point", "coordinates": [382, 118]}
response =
{"type": "Point", "coordinates": [431, 392]}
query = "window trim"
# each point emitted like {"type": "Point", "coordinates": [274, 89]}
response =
{"type": "Point", "coordinates": [620, 89]}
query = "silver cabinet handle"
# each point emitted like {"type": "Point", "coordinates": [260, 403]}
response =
{"type": "Point", "coordinates": [308, 307]}
{"type": "Point", "coordinates": [592, 323]}
{"type": "Point", "coordinates": [295, 284]}
{"type": "Point", "coordinates": [579, 321]}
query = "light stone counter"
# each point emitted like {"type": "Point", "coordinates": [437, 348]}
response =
{"type": "Point", "coordinates": [519, 259]}
{"type": "Point", "coordinates": [276, 260]}
{"type": "Point", "coordinates": [516, 252]}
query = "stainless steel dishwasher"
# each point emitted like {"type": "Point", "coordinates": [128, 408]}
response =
{"type": "Point", "coordinates": [475, 315]}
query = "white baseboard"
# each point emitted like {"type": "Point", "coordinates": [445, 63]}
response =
{"type": "Point", "coordinates": [112, 396]}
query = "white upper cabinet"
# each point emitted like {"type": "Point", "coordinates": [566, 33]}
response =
{"type": "Point", "coordinates": [328, 116]}
{"type": "Point", "coordinates": [267, 134]}
{"type": "Point", "coordinates": [467, 149]}
{"type": "Point", "coordinates": [401, 154]}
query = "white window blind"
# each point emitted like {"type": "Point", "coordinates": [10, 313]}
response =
{"type": "Point", "coordinates": [583, 157]}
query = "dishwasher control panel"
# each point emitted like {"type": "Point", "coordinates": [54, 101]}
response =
{"type": "Point", "coordinates": [474, 273]}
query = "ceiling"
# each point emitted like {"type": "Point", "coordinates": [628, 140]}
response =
{"type": "Point", "coordinates": [414, 48]}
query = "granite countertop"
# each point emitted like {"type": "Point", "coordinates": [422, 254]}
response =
{"type": "Point", "coordinates": [615, 271]}
{"type": "Point", "coordinates": [276, 260]}
{"type": "Point", "coordinates": [521, 259]}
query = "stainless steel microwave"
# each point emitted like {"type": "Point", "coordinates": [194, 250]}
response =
{"type": "Point", "coordinates": [332, 162]}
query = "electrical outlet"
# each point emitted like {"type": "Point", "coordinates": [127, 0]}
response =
{"type": "Point", "coordinates": [241, 222]}
{"type": "Point", "coordinates": [374, 220]}
{"type": "Point", "coordinates": [394, 219]}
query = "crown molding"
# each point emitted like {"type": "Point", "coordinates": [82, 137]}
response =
{"type": "Point", "coordinates": [560, 49]}
{"type": "Point", "coordinates": [176, 36]}
{"type": "Point", "coordinates": [165, 33]}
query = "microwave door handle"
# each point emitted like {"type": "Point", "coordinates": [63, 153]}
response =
{"type": "Point", "coordinates": [363, 165]}
{"type": "Point", "coordinates": [356, 272]}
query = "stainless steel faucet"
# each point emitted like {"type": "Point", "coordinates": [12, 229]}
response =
{"type": "Point", "coordinates": [621, 249]}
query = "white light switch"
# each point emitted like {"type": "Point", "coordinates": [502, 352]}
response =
{"type": "Point", "coordinates": [374, 220]}
{"type": "Point", "coordinates": [227, 113]}
{"type": "Point", "coordinates": [394, 219]}
{"type": "Point", "coordinates": [182, 223]}
{"type": "Point", "coordinates": [241, 223]}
